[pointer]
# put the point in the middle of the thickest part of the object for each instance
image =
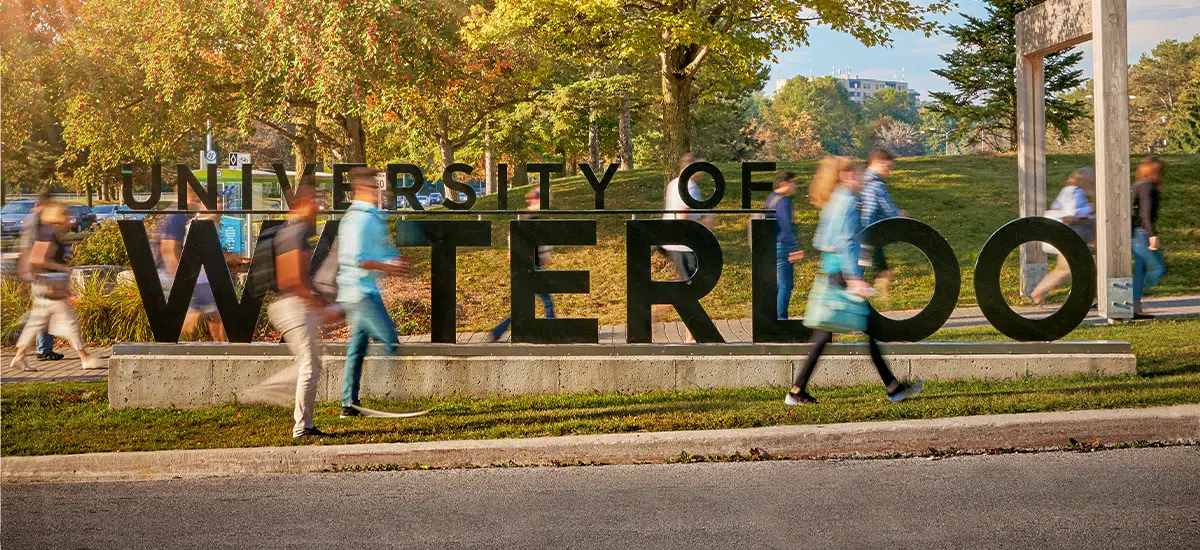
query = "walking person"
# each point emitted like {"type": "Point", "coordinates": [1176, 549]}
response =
{"type": "Point", "coordinates": [877, 205]}
{"type": "Point", "coordinates": [787, 250]}
{"type": "Point", "coordinates": [682, 257]}
{"type": "Point", "coordinates": [834, 190]}
{"type": "Point", "coordinates": [297, 312]}
{"type": "Point", "coordinates": [533, 202]}
{"type": "Point", "coordinates": [172, 234]}
{"type": "Point", "coordinates": [1075, 209]}
{"type": "Point", "coordinates": [365, 249]}
{"type": "Point", "coordinates": [29, 230]}
{"type": "Point", "coordinates": [51, 288]}
{"type": "Point", "coordinates": [1148, 264]}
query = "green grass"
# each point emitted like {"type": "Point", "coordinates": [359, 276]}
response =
{"type": "Point", "coordinates": [72, 417]}
{"type": "Point", "coordinates": [965, 198]}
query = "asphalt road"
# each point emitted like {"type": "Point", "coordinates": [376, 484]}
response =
{"type": "Point", "coordinates": [1143, 498]}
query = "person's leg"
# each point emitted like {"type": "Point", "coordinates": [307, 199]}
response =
{"type": "Point", "coordinates": [45, 344]}
{"type": "Point", "coordinates": [356, 348]}
{"type": "Point", "coordinates": [38, 322]}
{"type": "Point", "coordinates": [216, 328]}
{"type": "Point", "coordinates": [1140, 249]}
{"type": "Point", "coordinates": [501, 328]}
{"type": "Point", "coordinates": [63, 322]}
{"type": "Point", "coordinates": [885, 373]}
{"type": "Point", "coordinates": [883, 273]}
{"type": "Point", "coordinates": [784, 282]}
{"type": "Point", "coordinates": [1052, 280]}
{"type": "Point", "coordinates": [819, 340]}
{"type": "Point", "coordinates": [379, 324]}
{"type": "Point", "coordinates": [307, 349]}
{"type": "Point", "coordinates": [548, 302]}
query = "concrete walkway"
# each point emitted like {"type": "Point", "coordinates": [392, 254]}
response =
{"type": "Point", "coordinates": [736, 330]}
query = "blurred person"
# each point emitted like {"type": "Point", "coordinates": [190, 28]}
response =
{"type": "Point", "coordinates": [787, 251]}
{"type": "Point", "coordinates": [29, 230]}
{"type": "Point", "coordinates": [877, 205]}
{"type": "Point", "coordinates": [1148, 264]}
{"type": "Point", "coordinates": [533, 202]}
{"type": "Point", "coordinates": [51, 288]}
{"type": "Point", "coordinates": [680, 256]}
{"type": "Point", "coordinates": [365, 249]}
{"type": "Point", "coordinates": [172, 233]}
{"type": "Point", "coordinates": [834, 190]}
{"type": "Point", "coordinates": [1076, 209]}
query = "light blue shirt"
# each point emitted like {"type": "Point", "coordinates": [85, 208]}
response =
{"type": "Point", "coordinates": [362, 236]}
{"type": "Point", "coordinates": [841, 222]}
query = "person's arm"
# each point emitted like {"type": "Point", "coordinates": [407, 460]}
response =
{"type": "Point", "coordinates": [1144, 197]}
{"type": "Point", "coordinates": [886, 205]}
{"type": "Point", "coordinates": [41, 256]}
{"type": "Point", "coordinates": [385, 257]}
{"type": "Point", "coordinates": [783, 217]}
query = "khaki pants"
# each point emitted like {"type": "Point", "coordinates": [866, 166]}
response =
{"type": "Point", "coordinates": [298, 323]}
{"type": "Point", "coordinates": [1056, 278]}
{"type": "Point", "coordinates": [53, 316]}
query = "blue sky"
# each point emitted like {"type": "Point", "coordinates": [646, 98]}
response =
{"type": "Point", "coordinates": [1150, 22]}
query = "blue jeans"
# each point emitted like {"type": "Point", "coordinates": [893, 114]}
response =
{"type": "Point", "coordinates": [45, 342]}
{"type": "Point", "coordinates": [368, 319]}
{"type": "Point", "coordinates": [503, 326]}
{"type": "Point", "coordinates": [1148, 265]}
{"type": "Point", "coordinates": [785, 281]}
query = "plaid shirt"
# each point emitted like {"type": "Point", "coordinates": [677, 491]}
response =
{"type": "Point", "coordinates": [876, 203]}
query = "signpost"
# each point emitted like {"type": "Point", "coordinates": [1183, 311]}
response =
{"type": "Point", "coordinates": [236, 160]}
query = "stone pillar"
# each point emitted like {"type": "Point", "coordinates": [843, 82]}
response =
{"type": "Point", "coordinates": [1031, 161]}
{"type": "Point", "coordinates": [1110, 58]}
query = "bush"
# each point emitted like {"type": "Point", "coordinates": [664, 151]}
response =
{"type": "Point", "coordinates": [15, 301]}
{"type": "Point", "coordinates": [107, 316]}
{"type": "Point", "coordinates": [101, 246]}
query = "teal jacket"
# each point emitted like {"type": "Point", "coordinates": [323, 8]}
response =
{"type": "Point", "coordinates": [837, 235]}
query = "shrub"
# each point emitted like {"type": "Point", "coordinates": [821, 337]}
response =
{"type": "Point", "coordinates": [107, 316]}
{"type": "Point", "coordinates": [15, 301]}
{"type": "Point", "coordinates": [101, 246]}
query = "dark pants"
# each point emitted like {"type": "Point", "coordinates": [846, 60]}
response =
{"type": "Point", "coordinates": [879, 260]}
{"type": "Point", "coordinates": [785, 280]}
{"type": "Point", "coordinates": [503, 326]}
{"type": "Point", "coordinates": [821, 338]}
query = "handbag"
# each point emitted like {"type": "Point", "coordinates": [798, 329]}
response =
{"type": "Point", "coordinates": [831, 307]}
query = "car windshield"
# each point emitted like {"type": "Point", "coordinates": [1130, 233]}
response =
{"type": "Point", "coordinates": [76, 209]}
{"type": "Point", "coordinates": [22, 207]}
{"type": "Point", "coordinates": [105, 209]}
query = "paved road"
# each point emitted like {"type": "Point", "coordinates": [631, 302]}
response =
{"type": "Point", "coordinates": [1145, 498]}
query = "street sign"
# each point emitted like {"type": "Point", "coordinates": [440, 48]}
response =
{"type": "Point", "coordinates": [210, 156]}
{"type": "Point", "coordinates": [236, 160]}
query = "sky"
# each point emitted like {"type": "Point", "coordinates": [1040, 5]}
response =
{"type": "Point", "coordinates": [1150, 22]}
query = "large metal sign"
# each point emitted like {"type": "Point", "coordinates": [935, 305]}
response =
{"type": "Point", "coordinates": [444, 236]}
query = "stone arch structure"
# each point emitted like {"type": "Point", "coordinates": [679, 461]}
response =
{"type": "Point", "coordinates": [1046, 28]}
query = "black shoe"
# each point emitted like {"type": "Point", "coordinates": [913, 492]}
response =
{"type": "Point", "coordinates": [350, 411]}
{"type": "Point", "coordinates": [311, 433]}
{"type": "Point", "coordinates": [802, 398]}
{"type": "Point", "coordinates": [50, 356]}
{"type": "Point", "coordinates": [1139, 316]}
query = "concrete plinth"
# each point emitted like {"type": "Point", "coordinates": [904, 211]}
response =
{"type": "Point", "coordinates": [191, 376]}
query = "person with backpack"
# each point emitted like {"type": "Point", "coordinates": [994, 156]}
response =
{"type": "Point", "coordinates": [787, 251]}
{"type": "Point", "coordinates": [29, 231]}
{"type": "Point", "coordinates": [51, 287]}
{"type": "Point", "coordinates": [877, 205]}
{"type": "Point", "coordinates": [365, 249]}
{"type": "Point", "coordinates": [840, 283]}
{"type": "Point", "coordinates": [533, 202]}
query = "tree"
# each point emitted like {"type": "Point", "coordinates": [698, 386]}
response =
{"type": "Point", "coordinates": [897, 104]}
{"type": "Point", "coordinates": [898, 137]}
{"type": "Point", "coordinates": [1184, 132]}
{"type": "Point", "coordinates": [982, 70]}
{"type": "Point", "coordinates": [1156, 82]}
{"type": "Point", "coordinates": [684, 37]}
{"type": "Point", "coordinates": [826, 103]}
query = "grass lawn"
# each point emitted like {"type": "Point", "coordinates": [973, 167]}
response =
{"type": "Point", "coordinates": [70, 417]}
{"type": "Point", "coordinates": [965, 198]}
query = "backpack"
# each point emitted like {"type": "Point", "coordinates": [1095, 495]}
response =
{"type": "Point", "coordinates": [324, 279]}
{"type": "Point", "coordinates": [262, 278]}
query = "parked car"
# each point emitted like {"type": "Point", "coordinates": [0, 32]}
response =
{"type": "Point", "coordinates": [12, 216]}
{"type": "Point", "coordinates": [80, 217]}
{"type": "Point", "coordinates": [114, 211]}
{"type": "Point", "coordinates": [435, 198]}
{"type": "Point", "coordinates": [423, 200]}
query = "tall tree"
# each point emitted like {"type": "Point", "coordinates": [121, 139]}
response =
{"type": "Point", "coordinates": [685, 36]}
{"type": "Point", "coordinates": [827, 104]}
{"type": "Point", "coordinates": [899, 105]}
{"type": "Point", "coordinates": [982, 70]}
{"type": "Point", "coordinates": [1184, 132]}
{"type": "Point", "coordinates": [1156, 82]}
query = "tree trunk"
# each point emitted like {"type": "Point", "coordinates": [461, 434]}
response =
{"type": "Point", "coordinates": [89, 194]}
{"type": "Point", "coordinates": [356, 146]}
{"type": "Point", "coordinates": [305, 144]}
{"type": "Point", "coordinates": [593, 139]}
{"type": "Point", "coordinates": [489, 160]}
{"type": "Point", "coordinates": [446, 149]}
{"type": "Point", "coordinates": [625, 150]}
{"type": "Point", "coordinates": [677, 109]}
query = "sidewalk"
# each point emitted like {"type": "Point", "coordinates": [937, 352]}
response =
{"type": "Point", "coordinates": [737, 330]}
{"type": "Point", "coordinates": [1180, 423]}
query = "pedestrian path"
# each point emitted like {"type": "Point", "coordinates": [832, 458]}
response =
{"type": "Point", "coordinates": [733, 330]}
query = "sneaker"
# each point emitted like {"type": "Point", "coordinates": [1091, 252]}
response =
{"type": "Point", "coordinates": [491, 338]}
{"type": "Point", "coordinates": [802, 398]}
{"type": "Point", "coordinates": [347, 412]}
{"type": "Point", "coordinates": [50, 356]}
{"type": "Point", "coordinates": [311, 433]}
{"type": "Point", "coordinates": [905, 391]}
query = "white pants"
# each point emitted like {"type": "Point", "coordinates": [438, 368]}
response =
{"type": "Point", "coordinates": [298, 323]}
{"type": "Point", "coordinates": [54, 316]}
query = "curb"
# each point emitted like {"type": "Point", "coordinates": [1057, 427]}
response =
{"type": "Point", "coordinates": [970, 433]}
